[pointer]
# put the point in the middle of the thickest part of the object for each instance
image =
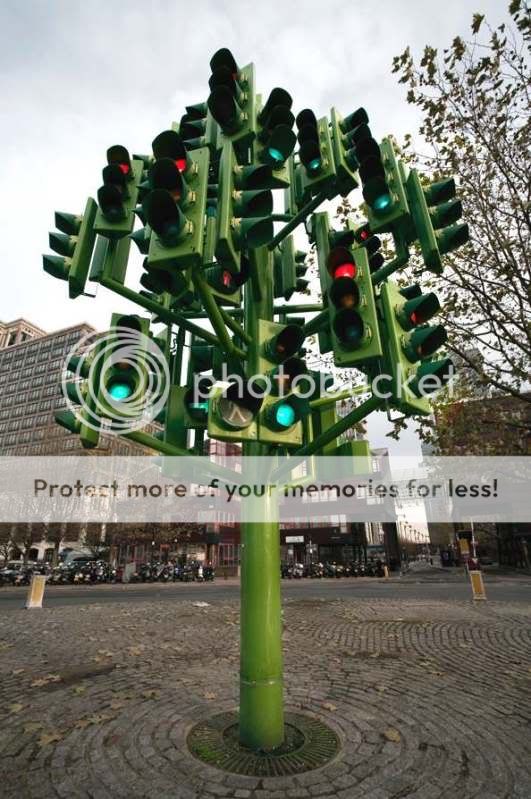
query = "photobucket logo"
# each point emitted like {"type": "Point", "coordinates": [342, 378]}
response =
{"type": "Point", "coordinates": [121, 376]}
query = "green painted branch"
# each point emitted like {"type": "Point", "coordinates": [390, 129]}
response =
{"type": "Point", "coordinates": [234, 326]}
{"type": "Point", "coordinates": [316, 324]}
{"type": "Point", "coordinates": [165, 314]}
{"type": "Point", "coordinates": [278, 309]}
{"type": "Point", "coordinates": [400, 260]}
{"type": "Point", "coordinates": [291, 309]}
{"type": "Point", "coordinates": [330, 399]}
{"type": "Point", "coordinates": [216, 317]}
{"type": "Point", "coordinates": [297, 219]}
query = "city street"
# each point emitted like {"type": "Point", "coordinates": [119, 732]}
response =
{"type": "Point", "coordinates": [424, 584]}
{"type": "Point", "coordinates": [428, 692]}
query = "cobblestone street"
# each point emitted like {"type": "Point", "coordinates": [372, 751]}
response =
{"type": "Point", "coordinates": [429, 698]}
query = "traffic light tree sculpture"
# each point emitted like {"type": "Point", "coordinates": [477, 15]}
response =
{"type": "Point", "coordinates": [200, 209]}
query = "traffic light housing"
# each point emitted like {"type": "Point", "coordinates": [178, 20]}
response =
{"type": "Point", "coordinates": [316, 169]}
{"type": "Point", "coordinates": [275, 138]}
{"type": "Point", "coordinates": [411, 344]}
{"type": "Point", "coordinates": [289, 269]}
{"type": "Point", "coordinates": [118, 196]}
{"type": "Point", "coordinates": [123, 376]}
{"type": "Point", "coordinates": [175, 210]}
{"type": "Point", "coordinates": [435, 210]}
{"type": "Point", "coordinates": [245, 204]}
{"type": "Point", "coordinates": [365, 238]}
{"type": "Point", "coordinates": [345, 160]}
{"type": "Point", "coordinates": [282, 411]}
{"type": "Point", "coordinates": [352, 309]}
{"type": "Point", "coordinates": [232, 100]}
{"type": "Point", "coordinates": [83, 391]}
{"type": "Point", "coordinates": [75, 245]}
{"type": "Point", "coordinates": [233, 411]}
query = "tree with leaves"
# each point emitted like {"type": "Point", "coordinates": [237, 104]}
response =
{"type": "Point", "coordinates": [474, 98]}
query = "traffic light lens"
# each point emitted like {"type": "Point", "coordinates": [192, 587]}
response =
{"type": "Point", "coordinates": [285, 416]}
{"type": "Point", "coordinates": [276, 155]}
{"type": "Point", "coordinates": [382, 202]}
{"type": "Point", "coordinates": [125, 168]}
{"type": "Point", "coordinates": [226, 279]}
{"type": "Point", "coordinates": [120, 390]}
{"type": "Point", "coordinates": [314, 164]}
{"type": "Point", "coordinates": [345, 270]}
{"type": "Point", "coordinates": [180, 163]}
{"type": "Point", "coordinates": [348, 327]}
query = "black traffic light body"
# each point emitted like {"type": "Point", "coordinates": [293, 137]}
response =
{"type": "Point", "coordinates": [123, 382]}
{"type": "Point", "coordinates": [176, 213]}
{"type": "Point", "coordinates": [354, 334]}
{"type": "Point", "coordinates": [117, 198]}
{"type": "Point", "coordinates": [275, 138]}
{"type": "Point", "coordinates": [75, 245]}
{"type": "Point", "coordinates": [316, 169]}
{"type": "Point", "coordinates": [232, 101]}
{"type": "Point", "coordinates": [282, 411]}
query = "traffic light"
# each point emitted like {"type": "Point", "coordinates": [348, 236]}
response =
{"type": "Point", "coordinates": [289, 270]}
{"type": "Point", "coordinates": [233, 410]}
{"type": "Point", "coordinates": [82, 390]}
{"type": "Point", "coordinates": [197, 127]}
{"type": "Point", "coordinates": [117, 198]}
{"type": "Point", "coordinates": [282, 411]}
{"type": "Point", "coordinates": [435, 210]}
{"type": "Point", "coordinates": [410, 340]}
{"type": "Point", "coordinates": [124, 373]}
{"type": "Point", "coordinates": [364, 238]}
{"type": "Point", "coordinates": [352, 309]}
{"type": "Point", "coordinates": [346, 162]}
{"type": "Point", "coordinates": [175, 207]}
{"type": "Point", "coordinates": [232, 99]}
{"type": "Point", "coordinates": [379, 172]}
{"type": "Point", "coordinates": [75, 245]}
{"type": "Point", "coordinates": [226, 285]}
{"type": "Point", "coordinates": [275, 137]}
{"type": "Point", "coordinates": [316, 168]}
{"type": "Point", "coordinates": [245, 204]}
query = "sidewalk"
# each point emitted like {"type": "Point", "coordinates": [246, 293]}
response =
{"type": "Point", "coordinates": [432, 700]}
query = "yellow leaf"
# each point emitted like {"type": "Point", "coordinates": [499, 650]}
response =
{"type": "Point", "coordinates": [392, 735]}
{"type": "Point", "coordinates": [329, 706]}
{"type": "Point", "coordinates": [48, 738]}
{"type": "Point", "coordinates": [210, 695]}
{"type": "Point", "coordinates": [33, 726]}
{"type": "Point", "coordinates": [80, 689]}
{"type": "Point", "coordinates": [16, 707]}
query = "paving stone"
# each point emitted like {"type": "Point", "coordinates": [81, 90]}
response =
{"type": "Point", "coordinates": [391, 676]}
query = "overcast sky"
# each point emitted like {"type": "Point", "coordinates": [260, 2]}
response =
{"type": "Point", "coordinates": [78, 77]}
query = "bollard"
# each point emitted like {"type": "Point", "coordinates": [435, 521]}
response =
{"type": "Point", "coordinates": [386, 571]}
{"type": "Point", "coordinates": [36, 591]}
{"type": "Point", "coordinates": [478, 586]}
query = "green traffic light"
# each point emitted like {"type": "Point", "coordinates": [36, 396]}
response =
{"type": "Point", "coordinates": [119, 390]}
{"type": "Point", "coordinates": [382, 203]}
{"type": "Point", "coordinates": [275, 154]}
{"type": "Point", "coordinates": [284, 415]}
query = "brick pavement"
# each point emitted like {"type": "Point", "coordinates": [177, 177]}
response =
{"type": "Point", "coordinates": [431, 699]}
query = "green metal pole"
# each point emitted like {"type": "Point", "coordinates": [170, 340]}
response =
{"type": "Point", "coordinates": [261, 677]}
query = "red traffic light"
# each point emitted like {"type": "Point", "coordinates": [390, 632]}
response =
{"type": "Point", "coordinates": [340, 263]}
